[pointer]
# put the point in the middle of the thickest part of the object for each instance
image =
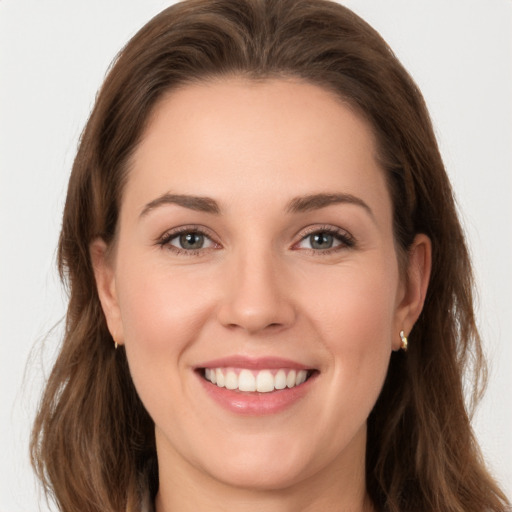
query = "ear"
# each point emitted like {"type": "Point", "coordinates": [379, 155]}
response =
{"type": "Point", "coordinates": [106, 286]}
{"type": "Point", "coordinates": [414, 288]}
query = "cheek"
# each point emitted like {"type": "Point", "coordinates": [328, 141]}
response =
{"type": "Point", "coordinates": [359, 340]}
{"type": "Point", "coordinates": [162, 315]}
{"type": "Point", "coordinates": [355, 306]}
{"type": "Point", "coordinates": [355, 319]}
{"type": "Point", "coordinates": [160, 310]}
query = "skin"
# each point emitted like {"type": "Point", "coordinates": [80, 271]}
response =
{"type": "Point", "coordinates": [258, 288]}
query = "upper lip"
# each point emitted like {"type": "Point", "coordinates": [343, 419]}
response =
{"type": "Point", "coordinates": [253, 363]}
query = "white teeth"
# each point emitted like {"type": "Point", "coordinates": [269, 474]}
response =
{"type": "Point", "coordinates": [231, 380]}
{"type": "Point", "coordinates": [290, 379]}
{"type": "Point", "coordinates": [280, 380]}
{"type": "Point", "coordinates": [246, 381]}
{"type": "Point", "coordinates": [220, 377]}
{"type": "Point", "coordinates": [301, 377]}
{"type": "Point", "coordinates": [262, 381]}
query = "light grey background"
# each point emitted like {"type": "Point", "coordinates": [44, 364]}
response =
{"type": "Point", "coordinates": [53, 57]}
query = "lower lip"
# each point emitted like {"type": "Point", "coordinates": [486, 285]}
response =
{"type": "Point", "coordinates": [256, 404]}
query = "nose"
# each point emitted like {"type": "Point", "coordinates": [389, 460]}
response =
{"type": "Point", "coordinates": [257, 296]}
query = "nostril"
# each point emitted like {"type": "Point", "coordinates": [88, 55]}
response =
{"type": "Point", "coordinates": [255, 306]}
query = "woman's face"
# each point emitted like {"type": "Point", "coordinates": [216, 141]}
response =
{"type": "Point", "coordinates": [255, 250]}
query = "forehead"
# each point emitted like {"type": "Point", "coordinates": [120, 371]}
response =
{"type": "Point", "coordinates": [247, 138]}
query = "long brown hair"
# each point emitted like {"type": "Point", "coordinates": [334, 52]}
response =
{"type": "Point", "coordinates": [93, 442]}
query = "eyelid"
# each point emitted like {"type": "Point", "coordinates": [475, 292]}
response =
{"type": "Point", "coordinates": [164, 239]}
{"type": "Point", "coordinates": [347, 239]}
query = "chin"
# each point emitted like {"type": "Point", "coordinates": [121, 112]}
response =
{"type": "Point", "coordinates": [265, 462]}
{"type": "Point", "coordinates": [259, 475]}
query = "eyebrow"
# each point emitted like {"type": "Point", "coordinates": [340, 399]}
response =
{"type": "Point", "coordinates": [296, 205]}
{"type": "Point", "coordinates": [197, 203]}
{"type": "Point", "coordinates": [317, 201]}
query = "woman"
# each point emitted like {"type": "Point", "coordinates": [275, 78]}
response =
{"type": "Point", "coordinates": [257, 223]}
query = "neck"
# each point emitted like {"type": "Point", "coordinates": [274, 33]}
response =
{"type": "Point", "coordinates": [339, 487]}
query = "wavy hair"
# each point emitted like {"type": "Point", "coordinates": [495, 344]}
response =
{"type": "Point", "coordinates": [93, 442]}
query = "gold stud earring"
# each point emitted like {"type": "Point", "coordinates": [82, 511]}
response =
{"type": "Point", "coordinates": [403, 345]}
{"type": "Point", "coordinates": [115, 345]}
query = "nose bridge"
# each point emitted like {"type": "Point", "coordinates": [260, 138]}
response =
{"type": "Point", "coordinates": [256, 295]}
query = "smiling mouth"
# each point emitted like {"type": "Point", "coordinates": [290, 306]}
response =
{"type": "Point", "coordinates": [259, 381]}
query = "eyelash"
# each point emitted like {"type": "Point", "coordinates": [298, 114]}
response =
{"type": "Point", "coordinates": [165, 240]}
{"type": "Point", "coordinates": [346, 240]}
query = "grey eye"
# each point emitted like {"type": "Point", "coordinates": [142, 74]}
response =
{"type": "Point", "coordinates": [321, 240]}
{"type": "Point", "coordinates": [191, 241]}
